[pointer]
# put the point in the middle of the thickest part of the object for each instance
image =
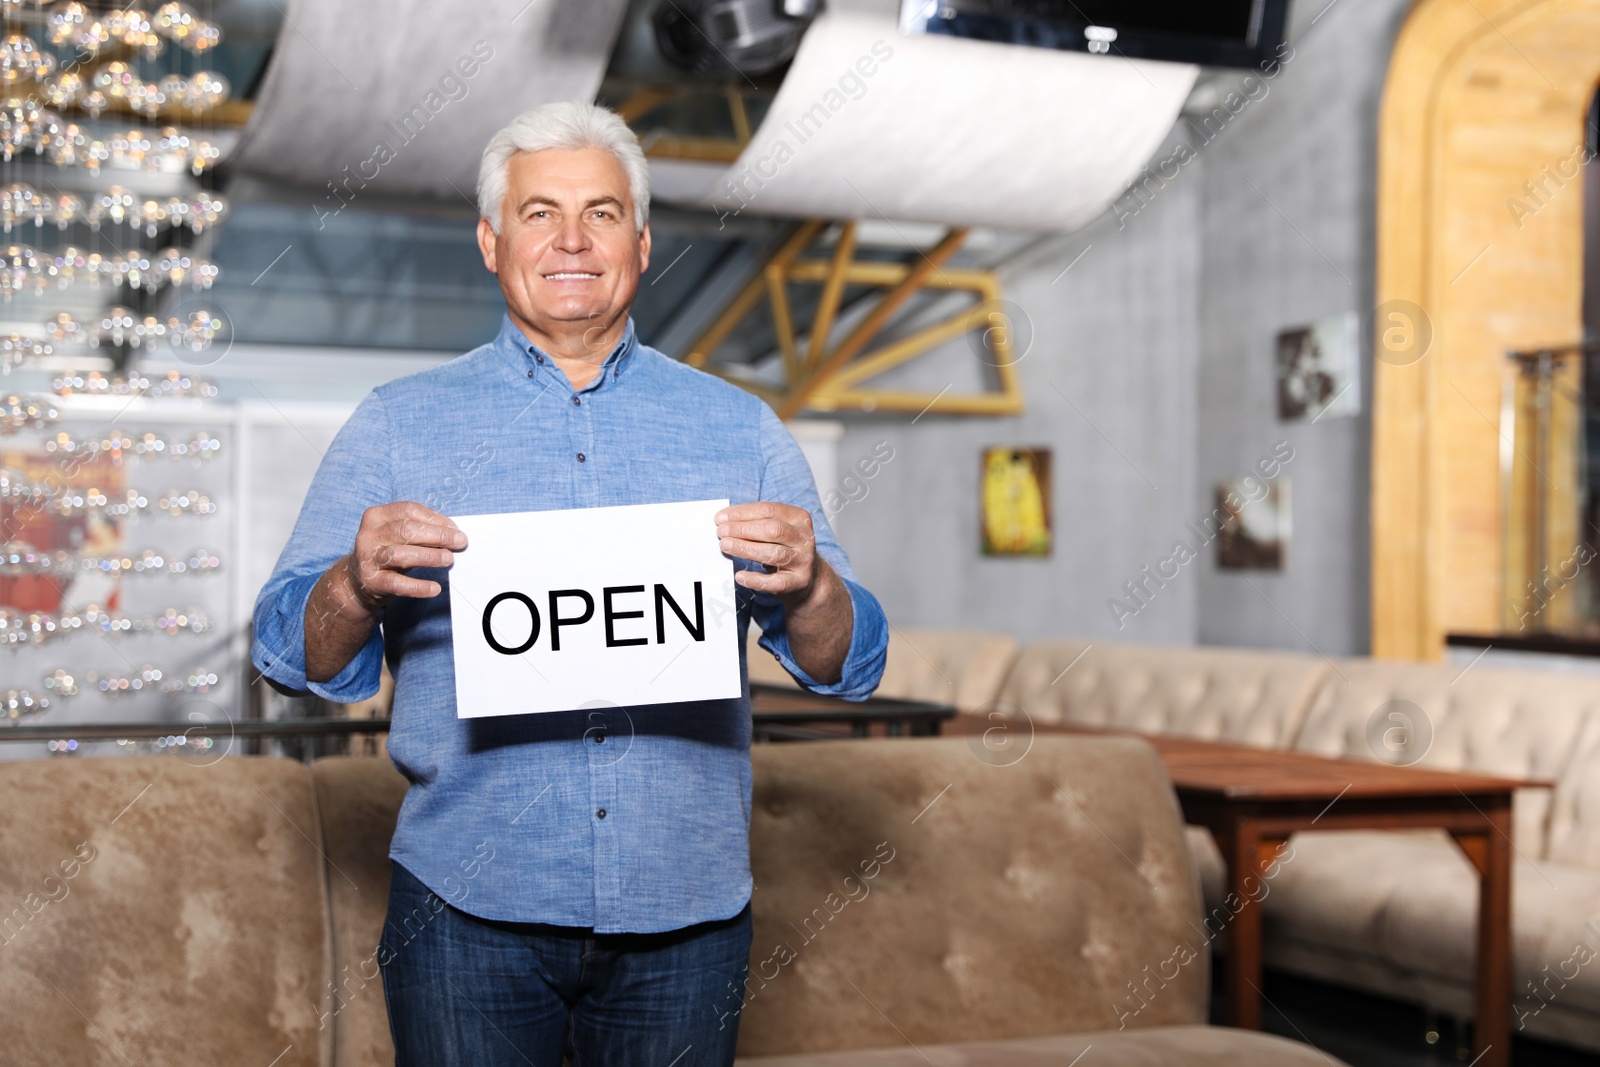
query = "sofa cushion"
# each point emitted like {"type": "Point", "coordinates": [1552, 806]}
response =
{"type": "Point", "coordinates": [359, 801]}
{"type": "Point", "coordinates": [1519, 724]}
{"type": "Point", "coordinates": [1168, 1046]}
{"type": "Point", "coordinates": [1216, 694]}
{"type": "Point", "coordinates": [161, 911]}
{"type": "Point", "coordinates": [961, 667]}
{"type": "Point", "coordinates": [910, 890]}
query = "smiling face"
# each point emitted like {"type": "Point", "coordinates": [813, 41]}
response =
{"type": "Point", "coordinates": [568, 255]}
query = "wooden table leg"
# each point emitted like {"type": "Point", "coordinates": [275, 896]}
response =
{"type": "Point", "coordinates": [1490, 853]}
{"type": "Point", "coordinates": [1247, 854]}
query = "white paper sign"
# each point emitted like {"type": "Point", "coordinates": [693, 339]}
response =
{"type": "Point", "coordinates": [593, 607]}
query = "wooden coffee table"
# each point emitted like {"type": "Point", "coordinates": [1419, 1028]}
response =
{"type": "Point", "coordinates": [1252, 799]}
{"type": "Point", "coordinates": [783, 713]}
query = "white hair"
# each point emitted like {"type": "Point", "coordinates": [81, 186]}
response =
{"type": "Point", "coordinates": [567, 124]}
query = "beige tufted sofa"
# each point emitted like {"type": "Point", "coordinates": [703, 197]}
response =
{"type": "Point", "coordinates": [1388, 912]}
{"type": "Point", "coordinates": [961, 667]}
{"type": "Point", "coordinates": [228, 913]}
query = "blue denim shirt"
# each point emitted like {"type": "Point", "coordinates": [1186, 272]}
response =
{"type": "Point", "coordinates": [501, 429]}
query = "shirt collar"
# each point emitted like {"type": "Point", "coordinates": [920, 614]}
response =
{"type": "Point", "coordinates": [529, 357]}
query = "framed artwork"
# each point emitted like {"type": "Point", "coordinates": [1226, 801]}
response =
{"type": "Point", "coordinates": [1016, 501]}
{"type": "Point", "coordinates": [1255, 534]}
{"type": "Point", "coordinates": [1319, 370]}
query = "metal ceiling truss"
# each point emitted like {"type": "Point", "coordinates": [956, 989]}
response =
{"type": "Point", "coordinates": [823, 377]}
{"type": "Point", "coordinates": [661, 143]}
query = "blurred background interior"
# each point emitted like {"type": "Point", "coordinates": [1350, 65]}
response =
{"type": "Point", "coordinates": [1062, 300]}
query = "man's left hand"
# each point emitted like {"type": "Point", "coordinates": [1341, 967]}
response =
{"type": "Point", "coordinates": [780, 538]}
{"type": "Point", "coordinates": [820, 617]}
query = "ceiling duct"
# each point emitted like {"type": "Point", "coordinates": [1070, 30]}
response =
{"type": "Point", "coordinates": [869, 123]}
{"type": "Point", "coordinates": [403, 96]}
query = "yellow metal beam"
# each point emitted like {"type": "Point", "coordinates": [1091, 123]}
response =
{"type": "Point", "coordinates": [827, 379]}
{"type": "Point", "coordinates": [868, 328]}
{"type": "Point", "coordinates": [782, 322]}
{"type": "Point", "coordinates": [905, 349]}
{"type": "Point", "coordinates": [659, 145]}
{"type": "Point", "coordinates": [741, 119]}
{"type": "Point", "coordinates": [783, 258]}
{"type": "Point", "coordinates": [643, 101]}
{"type": "Point", "coordinates": [883, 275]}
{"type": "Point", "coordinates": [832, 290]}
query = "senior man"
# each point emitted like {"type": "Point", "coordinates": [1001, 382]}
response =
{"type": "Point", "coordinates": [575, 883]}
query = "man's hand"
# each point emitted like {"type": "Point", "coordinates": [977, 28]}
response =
{"type": "Point", "coordinates": [777, 536]}
{"type": "Point", "coordinates": [817, 604]}
{"type": "Point", "coordinates": [345, 602]}
{"type": "Point", "coordinates": [393, 538]}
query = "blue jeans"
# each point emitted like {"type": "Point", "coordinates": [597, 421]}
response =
{"type": "Point", "coordinates": [479, 993]}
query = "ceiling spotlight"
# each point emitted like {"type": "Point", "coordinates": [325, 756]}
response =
{"type": "Point", "coordinates": [720, 37]}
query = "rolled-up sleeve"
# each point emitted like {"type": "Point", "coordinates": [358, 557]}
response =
{"type": "Point", "coordinates": [786, 479]}
{"type": "Point", "coordinates": [355, 474]}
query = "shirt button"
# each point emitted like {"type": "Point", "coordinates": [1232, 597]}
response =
{"type": "Point", "coordinates": [576, 402]}
{"type": "Point", "coordinates": [539, 359]}
{"type": "Point", "coordinates": [530, 374]}
{"type": "Point", "coordinates": [601, 813]}
{"type": "Point", "coordinates": [581, 457]}
{"type": "Point", "coordinates": [599, 739]}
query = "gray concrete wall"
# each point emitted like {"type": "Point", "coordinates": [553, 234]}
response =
{"type": "Point", "coordinates": [1287, 215]}
{"type": "Point", "coordinates": [1111, 387]}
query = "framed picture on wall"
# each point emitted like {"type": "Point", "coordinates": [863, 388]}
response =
{"type": "Point", "coordinates": [1319, 368]}
{"type": "Point", "coordinates": [1015, 507]}
{"type": "Point", "coordinates": [1255, 534]}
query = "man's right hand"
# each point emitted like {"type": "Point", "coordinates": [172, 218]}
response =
{"type": "Point", "coordinates": [394, 538]}
{"type": "Point", "coordinates": [345, 602]}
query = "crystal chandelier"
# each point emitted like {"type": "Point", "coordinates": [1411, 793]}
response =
{"type": "Point", "coordinates": [21, 203]}
{"type": "Point", "coordinates": [120, 326]}
{"type": "Point", "coordinates": [74, 24]}
{"type": "Point", "coordinates": [23, 268]}
{"type": "Point", "coordinates": [33, 84]}
{"type": "Point", "coordinates": [90, 62]}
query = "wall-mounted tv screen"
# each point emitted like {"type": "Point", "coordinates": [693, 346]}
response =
{"type": "Point", "coordinates": [1216, 33]}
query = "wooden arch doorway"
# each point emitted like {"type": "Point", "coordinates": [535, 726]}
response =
{"type": "Point", "coordinates": [1480, 252]}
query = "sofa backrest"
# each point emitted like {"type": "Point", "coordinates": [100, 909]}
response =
{"type": "Point", "coordinates": [161, 911]}
{"type": "Point", "coordinates": [910, 890]}
{"type": "Point", "coordinates": [1242, 696]}
{"type": "Point", "coordinates": [962, 899]}
{"type": "Point", "coordinates": [1519, 724]}
{"type": "Point", "coordinates": [961, 667]}
{"type": "Point", "coordinates": [359, 799]}
{"type": "Point", "coordinates": [1573, 828]}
